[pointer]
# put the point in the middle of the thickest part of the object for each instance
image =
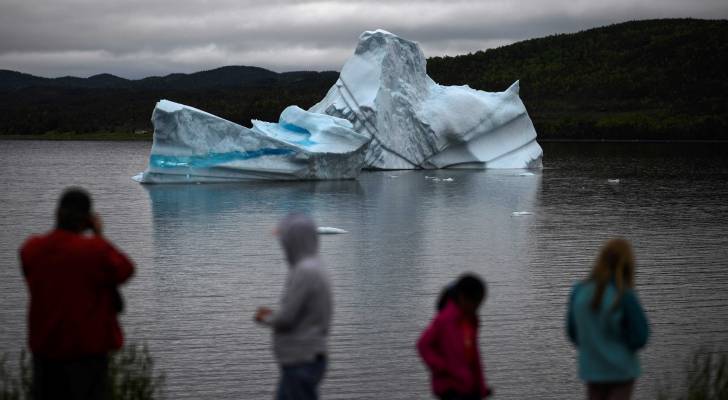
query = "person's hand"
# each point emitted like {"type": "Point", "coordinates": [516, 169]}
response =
{"type": "Point", "coordinates": [262, 314]}
{"type": "Point", "coordinates": [96, 225]}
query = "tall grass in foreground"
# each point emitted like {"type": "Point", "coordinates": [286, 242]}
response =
{"type": "Point", "coordinates": [131, 376]}
{"type": "Point", "coordinates": [707, 379]}
{"type": "Point", "coordinates": [14, 387]}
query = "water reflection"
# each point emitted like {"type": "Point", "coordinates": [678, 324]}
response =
{"type": "Point", "coordinates": [219, 218]}
{"type": "Point", "coordinates": [193, 202]}
{"type": "Point", "coordinates": [206, 258]}
{"type": "Point", "coordinates": [408, 235]}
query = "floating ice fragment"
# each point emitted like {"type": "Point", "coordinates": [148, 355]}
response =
{"type": "Point", "coordinates": [328, 230]}
{"type": "Point", "coordinates": [526, 174]}
{"type": "Point", "coordinates": [613, 180]}
{"type": "Point", "coordinates": [520, 213]}
{"type": "Point", "coordinates": [448, 180]}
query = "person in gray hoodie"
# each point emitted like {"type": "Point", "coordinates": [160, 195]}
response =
{"type": "Point", "coordinates": [301, 324]}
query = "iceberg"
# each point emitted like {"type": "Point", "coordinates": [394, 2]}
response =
{"type": "Point", "coordinates": [384, 90]}
{"type": "Point", "coordinates": [191, 145]}
{"type": "Point", "coordinates": [384, 112]}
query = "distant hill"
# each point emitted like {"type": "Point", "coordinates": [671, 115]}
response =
{"type": "Point", "coordinates": [224, 77]}
{"type": "Point", "coordinates": [653, 79]}
{"type": "Point", "coordinates": [107, 103]}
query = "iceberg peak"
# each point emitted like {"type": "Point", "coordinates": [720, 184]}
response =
{"type": "Point", "coordinates": [515, 88]}
{"type": "Point", "coordinates": [384, 90]}
{"type": "Point", "coordinates": [379, 31]}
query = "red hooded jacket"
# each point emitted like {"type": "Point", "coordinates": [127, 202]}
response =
{"type": "Point", "coordinates": [72, 280]}
{"type": "Point", "coordinates": [442, 347]}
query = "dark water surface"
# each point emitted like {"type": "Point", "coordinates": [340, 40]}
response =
{"type": "Point", "coordinates": [206, 259]}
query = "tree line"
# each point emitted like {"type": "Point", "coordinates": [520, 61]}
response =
{"type": "Point", "coordinates": [653, 79]}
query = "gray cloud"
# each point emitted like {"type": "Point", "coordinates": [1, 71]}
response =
{"type": "Point", "coordinates": [139, 38]}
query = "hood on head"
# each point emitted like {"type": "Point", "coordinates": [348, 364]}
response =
{"type": "Point", "coordinates": [298, 236]}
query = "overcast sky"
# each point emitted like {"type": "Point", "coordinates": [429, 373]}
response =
{"type": "Point", "coordinates": [136, 38]}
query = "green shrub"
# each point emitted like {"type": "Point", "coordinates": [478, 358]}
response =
{"type": "Point", "coordinates": [12, 387]}
{"type": "Point", "coordinates": [706, 379]}
{"type": "Point", "coordinates": [131, 376]}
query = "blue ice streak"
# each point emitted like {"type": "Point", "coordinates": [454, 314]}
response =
{"type": "Point", "coordinates": [306, 142]}
{"type": "Point", "coordinates": [212, 159]}
{"type": "Point", "coordinates": [294, 128]}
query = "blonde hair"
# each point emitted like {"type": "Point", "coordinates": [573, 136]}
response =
{"type": "Point", "coordinates": [615, 262]}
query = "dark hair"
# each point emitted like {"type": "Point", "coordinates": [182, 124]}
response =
{"type": "Point", "coordinates": [471, 287]}
{"type": "Point", "coordinates": [74, 210]}
{"type": "Point", "coordinates": [447, 293]}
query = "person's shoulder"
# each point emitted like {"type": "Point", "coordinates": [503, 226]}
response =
{"type": "Point", "coordinates": [449, 312]}
{"type": "Point", "coordinates": [580, 291]}
{"type": "Point", "coordinates": [316, 274]}
{"type": "Point", "coordinates": [34, 241]}
{"type": "Point", "coordinates": [579, 285]}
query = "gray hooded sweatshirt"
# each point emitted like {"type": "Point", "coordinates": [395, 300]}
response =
{"type": "Point", "coordinates": [301, 325]}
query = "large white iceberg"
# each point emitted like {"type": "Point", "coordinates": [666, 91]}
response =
{"type": "Point", "coordinates": [384, 90]}
{"type": "Point", "coordinates": [384, 112]}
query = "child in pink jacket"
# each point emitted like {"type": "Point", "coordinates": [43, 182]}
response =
{"type": "Point", "coordinates": [449, 346]}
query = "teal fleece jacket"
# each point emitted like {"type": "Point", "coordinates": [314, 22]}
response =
{"type": "Point", "coordinates": [607, 339]}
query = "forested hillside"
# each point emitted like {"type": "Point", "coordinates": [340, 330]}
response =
{"type": "Point", "coordinates": [655, 79]}
{"type": "Point", "coordinates": [106, 103]}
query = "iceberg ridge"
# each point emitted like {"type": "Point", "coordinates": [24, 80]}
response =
{"type": "Point", "coordinates": [193, 146]}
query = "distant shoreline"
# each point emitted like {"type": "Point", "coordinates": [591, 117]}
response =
{"type": "Point", "coordinates": [147, 137]}
{"type": "Point", "coordinates": [571, 140]}
{"type": "Point", "coordinates": [96, 136]}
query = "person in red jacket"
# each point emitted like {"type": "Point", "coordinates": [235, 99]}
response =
{"type": "Point", "coordinates": [73, 280]}
{"type": "Point", "coordinates": [449, 345]}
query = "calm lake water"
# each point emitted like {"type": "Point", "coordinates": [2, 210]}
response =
{"type": "Point", "coordinates": [206, 259]}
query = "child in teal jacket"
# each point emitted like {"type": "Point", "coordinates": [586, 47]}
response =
{"type": "Point", "coordinates": [607, 324]}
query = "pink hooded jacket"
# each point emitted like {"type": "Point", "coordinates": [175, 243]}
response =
{"type": "Point", "coordinates": [442, 348]}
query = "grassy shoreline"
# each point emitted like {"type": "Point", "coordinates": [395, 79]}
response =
{"type": "Point", "coordinates": [115, 136]}
{"type": "Point", "coordinates": [603, 140]}
{"type": "Point", "coordinates": [147, 137]}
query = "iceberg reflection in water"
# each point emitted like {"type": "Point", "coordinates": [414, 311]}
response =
{"type": "Point", "coordinates": [216, 259]}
